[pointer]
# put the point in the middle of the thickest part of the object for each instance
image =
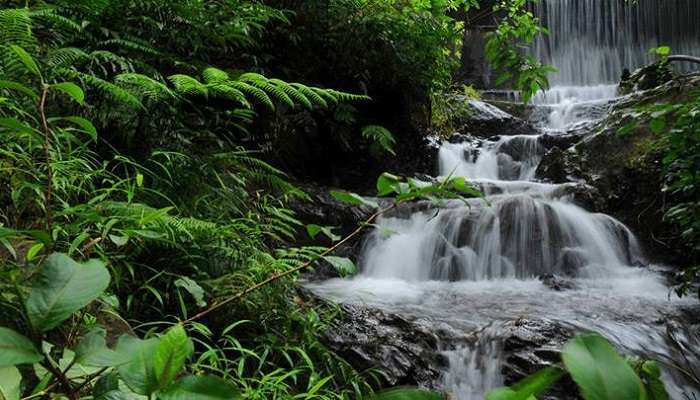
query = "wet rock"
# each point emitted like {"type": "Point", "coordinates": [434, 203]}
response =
{"type": "Point", "coordinates": [485, 121]}
{"type": "Point", "coordinates": [557, 167]}
{"type": "Point", "coordinates": [581, 194]}
{"type": "Point", "coordinates": [404, 352]}
{"type": "Point", "coordinates": [531, 345]}
{"type": "Point", "coordinates": [557, 283]}
{"type": "Point", "coordinates": [562, 141]}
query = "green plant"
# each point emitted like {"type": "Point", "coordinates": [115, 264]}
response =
{"type": "Point", "coordinates": [519, 25]}
{"type": "Point", "coordinates": [598, 370]}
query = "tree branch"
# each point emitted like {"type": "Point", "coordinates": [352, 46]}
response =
{"type": "Point", "coordinates": [282, 274]}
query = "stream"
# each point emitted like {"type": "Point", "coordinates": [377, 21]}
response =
{"type": "Point", "coordinates": [481, 267]}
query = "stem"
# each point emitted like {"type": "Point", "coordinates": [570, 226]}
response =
{"type": "Point", "coordinates": [61, 377]}
{"type": "Point", "coordinates": [282, 274]}
{"type": "Point", "coordinates": [47, 157]}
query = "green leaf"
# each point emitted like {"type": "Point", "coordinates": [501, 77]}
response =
{"type": "Point", "coordinates": [19, 87]}
{"type": "Point", "coordinates": [72, 90]}
{"type": "Point", "coordinates": [651, 374]}
{"type": "Point", "coordinates": [105, 384]}
{"type": "Point", "coordinates": [173, 350]}
{"type": "Point", "coordinates": [26, 59]}
{"type": "Point", "coordinates": [92, 351]}
{"type": "Point", "coordinates": [138, 373]}
{"type": "Point", "coordinates": [193, 289]}
{"type": "Point", "coordinates": [313, 230]}
{"type": "Point", "coordinates": [10, 382]}
{"type": "Point", "coordinates": [657, 125]}
{"type": "Point", "coordinates": [63, 287]}
{"type": "Point", "coordinates": [84, 124]}
{"type": "Point", "coordinates": [343, 265]}
{"type": "Point", "coordinates": [119, 395]}
{"type": "Point", "coordinates": [119, 240]}
{"type": "Point", "coordinates": [599, 371]}
{"type": "Point", "coordinates": [352, 198]}
{"type": "Point", "coordinates": [16, 349]}
{"type": "Point", "coordinates": [386, 184]}
{"type": "Point", "coordinates": [200, 388]}
{"type": "Point", "coordinates": [530, 387]}
{"type": "Point", "coordinates": [406, 394]}
{"type": "Point", "coordinates": [34, 250]}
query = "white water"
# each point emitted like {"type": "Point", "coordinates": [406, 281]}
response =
{"type": "Point", "coordinates": [475, 267]}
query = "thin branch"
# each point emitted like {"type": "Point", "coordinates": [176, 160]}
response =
{"type": "Point", "coordinates": [282, 274]}
{"type": "Point", "coordinates": [47, 157]}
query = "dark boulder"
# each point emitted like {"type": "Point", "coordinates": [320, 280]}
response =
{"type": "Point", "coordinates": [531, 345]}
{"type": "Point", "coordinates": [556, 282]}
{"type": "Point", "coordinates": [557, 166]}
{"type": "Point", "coordinates": [484, 120]}
{"type": "Point", "coordinates": [405, 352]}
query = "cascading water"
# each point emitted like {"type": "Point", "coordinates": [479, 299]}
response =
{"type": "Point", "coordinates": [591, 42]}
{"type": "Point", "coordinates": [475, 266]}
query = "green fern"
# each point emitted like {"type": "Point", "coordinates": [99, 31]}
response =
{"type": "Point", "coordinates": [380, 136]}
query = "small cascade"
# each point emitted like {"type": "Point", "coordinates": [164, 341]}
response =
{"type": "Point", "coordinates": [482, 266]}
{"type": "Point", "coordinates": [591, 42]}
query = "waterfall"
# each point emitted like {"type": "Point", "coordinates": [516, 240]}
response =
{"type": "Point", "coordinates": [592, 41]}
{"type": "Point", "coordinates": [475, 266]}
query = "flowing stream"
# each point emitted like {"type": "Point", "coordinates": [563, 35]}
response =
{"type": "Point", "coordinates": [474, 267]}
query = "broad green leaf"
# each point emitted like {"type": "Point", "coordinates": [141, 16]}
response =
{"type": "Point", "coordinates": [105, 384]}
{"type": "Point", "coordinates": [173, 350]}
{"type": "Point", "coordinates": [529, 387]}
{"type": "Point", "coordinates": [26, 59]}
{"type": "Point", "coordinates": [599, 371]}
{"type": "Point", "coordinates": [352, 198]}
{"type": "Point", "coordinates": [200, 388]}
{"type": "Point", "coordinates": [72, 90]}
{"type": "Point", "coordinates": [386, 184]}
{"type": "Point", "coordinates": [10, 380]}
{"type": "Point", "coordinates": [63, 287]}
{"type": "Point", "coordinates": [92, 351]}
{"type": "Point", "coordinates": [119, 240]}
{"type": "Point", "coordinates": [313, 230]}
{"type": "Point", "coordinates": [193, 289]}
{"type": "Point", "coordinates": [138, 373]}
{"type": "Point", "coordinates": [343, 265]}
{"type": "Point", "coordinates": [407, 394]}
{"type": "Point", "coordinates": [16, 349]}
{"type": "Point", "coordinates": [651, 374]}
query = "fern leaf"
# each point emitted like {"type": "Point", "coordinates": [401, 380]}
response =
{"type": "Point", "coordinates": [257, 93]}
{"type": "Point", "coordinates": [144, 86]}
{"type": "Point", "coordinates": [310, 94]}
{"type": "Point", "coordinates": [293, 92]}
{"type": "Point", "coordinates": [65, 57]}
{"type": "Point", "coordinates": [214, 75]}
{"type": "Point", "coordinates": [188, 85]}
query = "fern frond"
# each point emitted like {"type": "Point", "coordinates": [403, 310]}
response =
{"type": "Point", "coordinates": [17, 29]}
{"type": "Point", "coordinates": [263, 83]}
{"type": "Point", "coordinates": [130, 45]}
{"type": "Point", "coordinates": [310, 94]}
{"type": "Point", "coordinates": [144, 86]}
{"type": "Point", "coordinates": [109, 88]}
{"type": "Point", "coordinates": [116, 62]}
{"type": "Point", "coordinates": [292, 92]}
{"type": "Point", "coordinates": [381, 136]}
{"type": "Point", "coordinates": [254, 91]}
{"type": "Point", "coordinates": [65, 57]}
{"type": "Point", "coordinates": [188, 85]}
{"type": "Point", "coordinates": [66, 25]}
{"type": "Point", "coordinates": [225, 91]}
{"type": "Point", "coordinates": [214, 75]}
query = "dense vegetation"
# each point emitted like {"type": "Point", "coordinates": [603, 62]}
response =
{"type": "Point", "coordinates": [147, 245]}
{"type": "Point", "coordinates": [135, 199]}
